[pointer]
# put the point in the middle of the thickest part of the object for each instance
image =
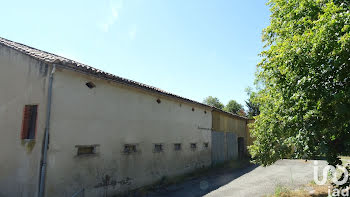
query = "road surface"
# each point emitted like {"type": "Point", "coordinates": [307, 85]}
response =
{"type": "Point", "coordinates": [251, 181]}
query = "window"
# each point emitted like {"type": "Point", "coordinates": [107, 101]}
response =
{"type": "Point", "coordinates": [90, 84]}
{"type": "Point", "coordinates": [177, 146]}
{"type": "Point", "coordinates": [86, 149]}
{"type": "Point", "coordinates": [129, 148]}
{"type": "Point", "coordinates": [158, 148]}
{"type": "Point", "coordinates": [30, 114]}
{"type": "Point", "coordinates": [193, 146]}
{"type": "Point", "coordinates": [206, 144]}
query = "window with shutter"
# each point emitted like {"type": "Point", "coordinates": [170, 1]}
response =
{"type": "Point", "coordinates": [29, 121]}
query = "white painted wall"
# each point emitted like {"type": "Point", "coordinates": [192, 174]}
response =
{"type": "Point", "coordinates": [112, 115]}
{"type": "Point", "coordinates": [23, 80]}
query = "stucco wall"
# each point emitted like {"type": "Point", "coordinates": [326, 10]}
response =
{"type": "Point", "coordinates": [112, 115]}
{"type": "Point", "coordinates": [23, 80]}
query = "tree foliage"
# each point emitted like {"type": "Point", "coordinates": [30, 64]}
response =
{"type": "Point", "coordinates": [242, 113]}
{"type": "Point", "coordinates": [252, 106]}
{"type": "Point", "coordinates": [213, 101]}
{"type": "Point", "coordinates": [305, 77]}
{"type": "Point", "coordinates": [234, 107]}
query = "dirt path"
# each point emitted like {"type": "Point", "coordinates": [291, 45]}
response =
{"type": "Point", "coordinates": [250, 181]}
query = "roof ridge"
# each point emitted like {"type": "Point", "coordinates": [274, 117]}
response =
{"type": "Point", "coordinates": [52, 58]}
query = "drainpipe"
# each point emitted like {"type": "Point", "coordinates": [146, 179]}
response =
{"type": "Point", "coordinates": [46, 139]}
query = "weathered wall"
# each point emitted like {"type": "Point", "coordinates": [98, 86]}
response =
{"type": "Point", "coordinates": [23, 80]}
{"type": "Point", "coordinates": [226, 129]}
{"type": "Point", "coordinates": [226, 123]}
{"type": "Point", "coordinates": [112, 115]}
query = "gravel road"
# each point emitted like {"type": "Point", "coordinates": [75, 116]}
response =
{"type": "Point", "coordinates": [263, 180]}
{"type": "Point", "coordinates": [251, 181]}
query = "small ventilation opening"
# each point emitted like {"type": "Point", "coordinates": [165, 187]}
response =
{"type": "Point", "coordinates": [192, 108]}
{"type": "Point", "coordinates": [129, 148]}
{"type": "Point", "coordinates": [158, 148]}
{"type": "Point", "coordinates": [159, 101]}
{"type": "Point", "coordinates": [86, 150]}
{"type": "Point", "coordinates": [193, 146]}
{"type": "Point", "coordinates": [177, 146]}
{"type": "Point", "coordinates": [90, 85]}
{"type": "Point", "coordinates": [206, 145]}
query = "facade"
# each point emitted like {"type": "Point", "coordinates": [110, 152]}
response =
{"type": "Point", "coordinates": [229, 136]}
{"type": "Point", "coordinates": [133, 135]}
{"type": "Point", "coordinates": [23, 80]}
{"type": "Point", "coordinates": [105, 134]}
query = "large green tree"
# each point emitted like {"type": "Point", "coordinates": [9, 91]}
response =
{"type": "Point", "coordinates": [305, 82]}
{"type": "Point", "coordinates": [213, 101]}
{"type": "Point", "coordinates": [233, 107]}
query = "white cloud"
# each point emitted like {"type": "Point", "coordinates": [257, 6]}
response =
{"type": "Point", "coordinates": [113, 15]}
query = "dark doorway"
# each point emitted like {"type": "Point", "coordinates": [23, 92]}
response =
{"type": "Point", "coordinates": [240, 147]}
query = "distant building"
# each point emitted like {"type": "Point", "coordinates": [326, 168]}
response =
{"type": "Point", "coordinates": [105, 133]}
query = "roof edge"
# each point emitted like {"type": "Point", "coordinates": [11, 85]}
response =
{"type": "Point", "coordinates": [66, 63]}
{"type": "Point", "coordinates": [113, 79]}
{"type": "Point", "coordinates": [229, 114]}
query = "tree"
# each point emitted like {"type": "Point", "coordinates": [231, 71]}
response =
{"type": "Point", "coordinates": [233, 107]}
{"type": "Point", "coordinates": [241, 112]}
{"type": "Point", "coordinates": [305, 78]}
{"type": "Point", "coordinates": [213, 101]}
{"type": "Point", "coordinates": [253, 107]}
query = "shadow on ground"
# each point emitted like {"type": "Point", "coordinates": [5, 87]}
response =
{"type": "Point", "coordinates": [198, 185]}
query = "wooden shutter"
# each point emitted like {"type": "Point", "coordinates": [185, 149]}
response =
{"type": "Point", "coordinates": [25, 121]}
{"type": "Point", "coordinates": [29, 122]}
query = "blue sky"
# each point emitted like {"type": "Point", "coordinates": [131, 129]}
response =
{"type": "Point", "coordinates": [192, 48]}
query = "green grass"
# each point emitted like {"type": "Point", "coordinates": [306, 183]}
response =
{"type": "Point", "coordinates": [281, 190]}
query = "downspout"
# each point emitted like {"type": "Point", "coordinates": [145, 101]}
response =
{"type": "Point", "coordinates": [46, 138]}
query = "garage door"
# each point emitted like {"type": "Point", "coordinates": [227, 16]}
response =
{"type": "Point", "coordinates": [218, 147]}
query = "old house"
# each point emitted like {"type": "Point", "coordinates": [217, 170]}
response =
{"type": "Point", "coordinates": [67, 126]}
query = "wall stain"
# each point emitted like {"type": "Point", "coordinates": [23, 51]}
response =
{"type": "Point", "coordinates": [108, 181]}
{"type": "Point", "coordinates": [29, 145]}
{"type": "Point", "coordinates": [43, 69]}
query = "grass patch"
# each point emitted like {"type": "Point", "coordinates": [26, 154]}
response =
{"type": "Point", "coordinates": [281, 191]}
{"type": "Point", "coordinates": [310, 190]}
